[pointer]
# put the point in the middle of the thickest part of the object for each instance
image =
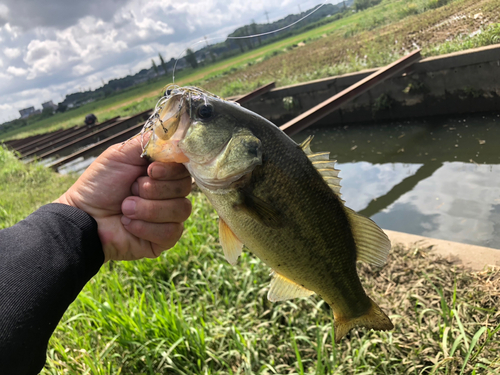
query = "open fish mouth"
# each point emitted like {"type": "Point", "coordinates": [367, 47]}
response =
{"type": "Point", "coordinates": [169, 123]}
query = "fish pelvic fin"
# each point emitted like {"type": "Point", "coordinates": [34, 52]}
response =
{"type": "Point", "coordinates": [231, 245]}
{"type": "Point", "coordinates": [282, 289]}
{"type": "Point", "coordinates": [374, 319]}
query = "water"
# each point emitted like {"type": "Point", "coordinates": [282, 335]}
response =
{"type": "Point", "coordinates": [436, 178]}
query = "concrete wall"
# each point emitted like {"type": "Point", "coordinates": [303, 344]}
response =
{"type": "Point", "coordinates": [458, 83]}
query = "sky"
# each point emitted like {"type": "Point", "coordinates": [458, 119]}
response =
{"type": "Point", "coordinates": [50, 48]}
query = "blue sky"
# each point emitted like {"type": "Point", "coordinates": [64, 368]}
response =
{"type": "Point", "coordinates": [50, 48]}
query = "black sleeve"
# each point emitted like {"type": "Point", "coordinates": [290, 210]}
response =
{"type": "Point", "coordinates": [45, 261]}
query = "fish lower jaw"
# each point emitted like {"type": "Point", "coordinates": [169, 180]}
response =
{"type": "Point", "coordinates": [215, 185]}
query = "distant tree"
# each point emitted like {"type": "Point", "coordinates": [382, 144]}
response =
{"type": "Point", "coordinates": [47, 112]}
{"type": "Point", "coordinates": [61, 107]}
{"type": "Point", "coordinates": [163, 65]}
{"type": "Point", "coordinates": [240, 44]}
{"type": "Point", "coordinates": [364, 4]}
{"type": "Point", "coordinates": [248, 41]}
{"type": "Point", "coordinates": [255, 31]}
{"type": "Point", "coordinates": [155, 68]}
{"type": "Point", "coordinates": [212, 55]}
{"type": "Point", "coordinates": [191, 58]}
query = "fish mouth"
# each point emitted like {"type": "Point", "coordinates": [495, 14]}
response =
{"type": "Point", "coordinates": [167, 126]}
{"type": "Point", "coordinates": [169, 123]}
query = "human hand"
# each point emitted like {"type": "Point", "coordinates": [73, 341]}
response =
{"type": "Point", "coordinates": [139, 209]}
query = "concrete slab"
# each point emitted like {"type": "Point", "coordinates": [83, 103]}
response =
{"type": "Point", "coordinates": [475, 258]}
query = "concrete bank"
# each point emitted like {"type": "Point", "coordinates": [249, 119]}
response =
{"type": "Point", "coordinates": [458, 83]}
{"type": "Point", "coordinates": [475, 258]}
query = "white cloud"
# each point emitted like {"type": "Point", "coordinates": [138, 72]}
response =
{"type": "Point", "coordinates": [147, 49]}
{"type": "Point", "coordinates": [82, 69]}
{"type": "Point", "coordinates": [43, 57]}
{"type": "Point", "coordinates": [12, 53]}
{"type": "Point", "coordinates": [12, 31]}
{"type": "Point", "coordinates": [4, 12]}
{"type": "Point", "coordinates": [7, 77]}
{"type": "Point", "coordinates": [18, 72]}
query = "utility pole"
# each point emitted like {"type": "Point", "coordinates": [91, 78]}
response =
{"type": "Point", "coordinates": [267, 17]}
{"type": "Point", "coordinates": [206, 41]}
{"type": "Point", "coordinates": [300, 10]}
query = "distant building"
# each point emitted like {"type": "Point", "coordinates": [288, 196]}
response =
{"type": "Point", "coordinates": [27, 112]}
{"type": "Point", "coordinates": [49, 104]}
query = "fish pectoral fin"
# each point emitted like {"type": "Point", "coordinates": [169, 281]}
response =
{"type": "Point", "coordinates": [282, 289]}
{"type": "Point", "coordinates": [372, 244]}
{"type": "Point", "coordinates": [261, 211]}
{"type": "Point", "coordinates": [231, 245]}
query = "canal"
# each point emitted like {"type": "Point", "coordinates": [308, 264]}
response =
{"type": "Point", "coordinates": [437, 178]}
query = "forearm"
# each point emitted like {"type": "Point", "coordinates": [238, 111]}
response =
{"type": "Point", "coordinates": [45, 261]}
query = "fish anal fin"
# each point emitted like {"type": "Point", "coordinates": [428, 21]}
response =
{"type": "Point", "coordinates": [231, 245]}
{"type": "Point", "coordinates": [282, 289]}
{"type": "Point", "coordinates": [372, 244]}
{"type": "Point", "coordinates": [374, 318]}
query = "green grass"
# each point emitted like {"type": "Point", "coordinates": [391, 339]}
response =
{"type": "Point", "coordinates": [488, 36]}
{"type": "Point", "coordinates": [190, 312]}
{"type": "Point", "coordinates": [24, 188]}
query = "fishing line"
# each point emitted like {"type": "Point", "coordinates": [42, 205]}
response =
{"type": "Point", "coordinates": [245, 37]}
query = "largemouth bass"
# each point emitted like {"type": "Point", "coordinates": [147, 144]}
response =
{"type": "Point", "coordinates": [278, 198]}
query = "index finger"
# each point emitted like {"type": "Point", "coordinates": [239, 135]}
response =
{"type": "Point", "coordinates": [167, 171]}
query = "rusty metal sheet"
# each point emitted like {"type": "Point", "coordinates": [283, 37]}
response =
{"type": "Point", "coordinates": [108, 131]}
{"type": "Point", "coordinates": [117, 138]}
{"type": "Point", "coordinates": [256, 93]}
{"type": "Point", "coordinates": [64, 135]}
{"type": "Point", "coordinates": [328, 106]}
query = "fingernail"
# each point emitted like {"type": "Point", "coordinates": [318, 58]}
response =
{"type": "Point", "coordinates": [128, 207]}
{"type": "Point", "coordinates": [135, 188]}
{"type": "Point", "coordinates": [126, 220]}
{"type": "Point", "coordinates": [158, 171]}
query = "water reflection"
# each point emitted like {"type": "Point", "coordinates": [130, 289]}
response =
{"type": "Point", "coordinates": [438, 179]}
{"type": "Point", "coordinates": [77, 166]}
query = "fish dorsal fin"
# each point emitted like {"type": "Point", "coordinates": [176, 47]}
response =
{"type": "Point", "coordinates": [231, 245]}
{"type": "Point", "coordinates": [306, 145]}
{"type": "Point", "coordinates": [372, 244]}
{"type": "Point", "coordinates": [282, 289]}
{"type": "Point", "coordinates": [326, 167]}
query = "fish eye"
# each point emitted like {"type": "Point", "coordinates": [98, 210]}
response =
{"type": "Point", "coordinates": [205, 111]}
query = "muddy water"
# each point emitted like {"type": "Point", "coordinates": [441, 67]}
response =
{"type": "Point", "coordinates": [438, 178]}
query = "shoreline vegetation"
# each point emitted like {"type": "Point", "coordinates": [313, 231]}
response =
{"type": "Point", "coordinates": [190, 312]}
{"type": "Point", "coordinates": [351, 41]}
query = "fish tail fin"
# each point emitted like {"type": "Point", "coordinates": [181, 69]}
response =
{"type": "Point", "coordinates": [374, 318]}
